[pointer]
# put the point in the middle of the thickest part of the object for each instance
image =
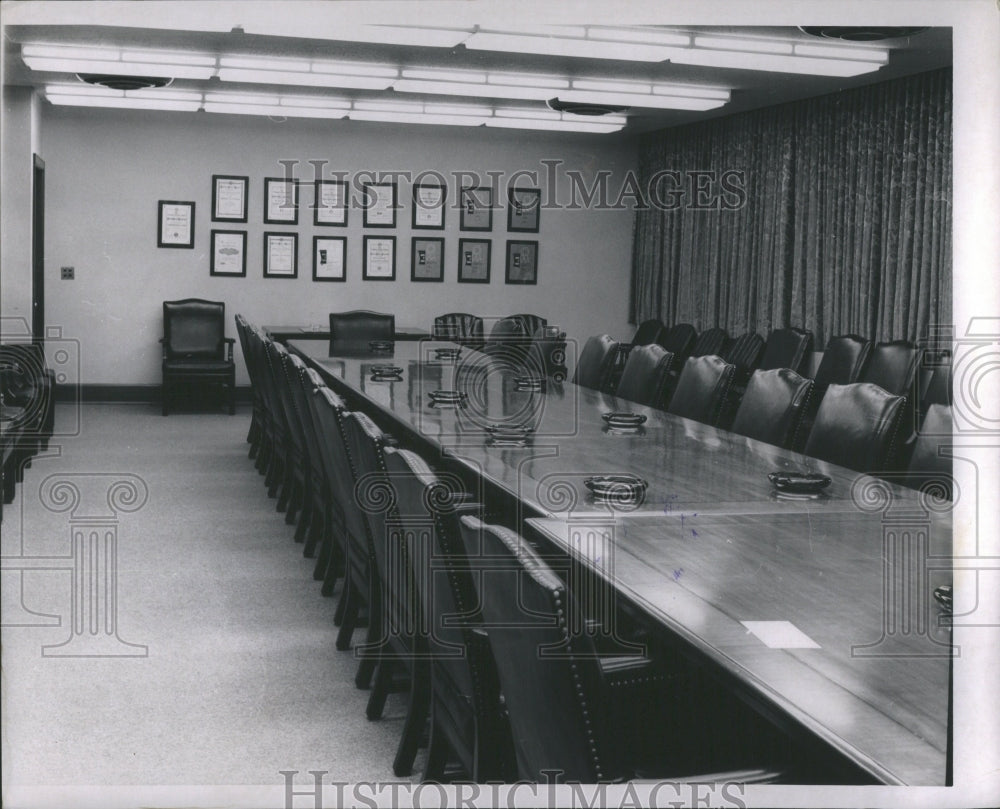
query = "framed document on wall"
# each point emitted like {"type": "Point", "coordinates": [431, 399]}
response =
{"type": "Point", "coordinates": [281, 255]}
{"type": "Point", "coordinates": [229, 253]}
{"type": "Point", "coordinates": [281, 201]}
{"type": "Point", "coordinates": [477, 209]}
{"type": "Point", "coordinates": [229, 198]}
{"type": "Point", "coordinates": [522, 263]}
{"type": "Point", "coordinates": [330, 203]}
{"type": "Point", "coordinates": [329, 258]}
{"type": "Point", "coordinates": [427, 259]}
{"type": "Point", "coordinates": [380, 205]}
{"type": "Point", "coordinates": [473, 261]}
{"type": "Point", "coordinates": [523, 208]}
{"type": "Point", "coordinates": [379, 258]}
{"type": "Point", "coordinates": [175, 224]}
{"type": "Point", "coordinates": [428, 207]}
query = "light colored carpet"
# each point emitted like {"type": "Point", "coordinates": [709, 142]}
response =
{"type": "Point", "coordinates": [241, 680]}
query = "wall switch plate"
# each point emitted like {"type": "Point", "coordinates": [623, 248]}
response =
{"type": "Point", "coordinates": [66, 273]}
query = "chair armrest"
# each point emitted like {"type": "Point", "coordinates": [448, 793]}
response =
{"type": "Point", "coordinates": [229, 341]}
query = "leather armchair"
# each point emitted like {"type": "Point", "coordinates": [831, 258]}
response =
{"type": "Point", "coordinates": [786, 348]}
{"type": "Point", "coordinates": [843, 360]}
{"type": "Point", "coordinates": [646, 375]}
{"type": "Point", "coordinates": [195, 348]}
{"type": "Point", "coordinates": [460, 327]}
{"type": "Point", "coordinates": [702, 392]}
{"type": "Point", "coordinates": [596, 362]}
{"type": "Point", "coordinates": [856, 427]}
{"type": "Point", "coordinates": [773, 406]}
{"type": "Point", "coordinates": [711, 341]}
{"type": "Point", "coordinates": [362, 325]}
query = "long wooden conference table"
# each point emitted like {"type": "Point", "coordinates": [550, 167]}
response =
{"type": "Point", "coordinates": [819, 609]}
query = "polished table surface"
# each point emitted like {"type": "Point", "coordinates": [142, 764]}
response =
{"type": "Point", "coordinates": [711, 544]}
{"type": "Point", "coordinates": [321, 331]}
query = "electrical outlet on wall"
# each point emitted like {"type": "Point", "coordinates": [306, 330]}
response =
{"type": "Point", "coordinates": [67, 273]}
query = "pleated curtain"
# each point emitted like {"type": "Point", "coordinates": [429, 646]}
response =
{"type": "Point", "coordinates": [846, 226]}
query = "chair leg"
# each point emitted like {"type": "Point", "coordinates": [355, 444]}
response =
{"type": "Point", "coordinates": [349, 615]}
{"type": "Point", "coordinates": [380, 689]}
{"type": "Point", "coordinates": [317, 529]}
{"type": "Point", "coordinates": [416, 719]}
{"type": "Point", "coordinates": [437, 753]}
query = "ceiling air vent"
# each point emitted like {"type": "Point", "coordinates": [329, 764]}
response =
{"type": "Point", "coordinates": [870, 33]}
{"type": "Point", "coordinates": [123, 82]}
{"type": "Point", "coordinates": [581, 108]}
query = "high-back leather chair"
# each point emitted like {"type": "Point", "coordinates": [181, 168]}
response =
{"type": "Point", "coordinates": [646, 375]}
{"type": "Point", "coordinates": [679, 339]}
{"type": "Point", "coordinates": [529, 323]}
{"type": "Point", "coordinates": [466, 717]}
{"type": "Point", "coordinates": [744, 354]}
{"type": "Point", "coordinates": [786, 348]}
{"type": "Point", "coordinates": [649, 331]}
{"type": "Point", "coordinates": [460, 327]}
{"type": "Point", "coordinates": [362, 325]}
{"type": "Point", "coordinates": [702, 392]}
{"type": "Point", "coordinates": [856, 427]}
{"type": "Point", "coordinates": [844, 358]}
{"type": "Point", "coordinates": [772, 407]}
{"type": "Point", "coordinates": [195, 348]}
{"type": "Point", "coordinates": [893, 367]}
{"type": "Point", "coordinates": [596, 362]}
{"type": "Point", "coordinates": [928, 465]}
{"type": "Point", "coordinates": [711, 341]}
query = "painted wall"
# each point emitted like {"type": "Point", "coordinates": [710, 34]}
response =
{"type": "Point", "coordinates": [106, 170]}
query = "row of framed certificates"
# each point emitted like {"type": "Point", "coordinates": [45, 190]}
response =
{"type": "Point", "coordinates": [329, 258]}
{"type": "Point", "coordinates": [330, 207]}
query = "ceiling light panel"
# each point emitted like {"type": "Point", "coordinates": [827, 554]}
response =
{"type": "Point", "coordinates": [645, 35]}
{"type": "Point", "coordinates": [556, 46]}
{"type": "Point", "coordinates": [116, 61]}
{"type": "Point", "coordinates": [773, 62]}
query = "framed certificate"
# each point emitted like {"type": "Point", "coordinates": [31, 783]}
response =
{"type": "Point", "coordinates": [330, 206]}
{"type": "Point", "coordinates": [281, 255]}
{"type": "Point", "coordinates": [477, 209]}
{"type": "Point", "coordinates": [329, 258]}
{"type": "Point", "coordinates": [523, 207]}
{"type": "Point", "coordinates": [175, 224]}
{"type": "Point", "coordinates": [522, 263]}
{"type": "Point", "coordinates": [281, 201]}
{"type": "Point", "coordinates": [229, 198]}
{"type": "Point", "coordinates": [229, 253]}
{"type": "Point", "coordinates": [428, 207]}
{"type": "Point", "coordinates": [380, 205]}
{"type": "Point", "coordinates": [473, 261]}
{"type": "Point", "coordinates": [427, 260]}
{"type": "Point", "coordinates": [379, 258]}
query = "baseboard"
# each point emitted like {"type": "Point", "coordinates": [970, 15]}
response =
{"type": "Point", "coordinates": [113, 394]}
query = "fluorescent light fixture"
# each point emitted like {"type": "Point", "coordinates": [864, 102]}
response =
{"type": "Point", "coordinates": [264, 63]}
{"type": "Point", "coordinates": [315, 102]}
{"type": "Point", "coordinates": [389, 106]}
{"type": "Point", "coordinates": [355, 69]}
{"type": "Point", "coordinates": [169, 58]}
{"type": "Point", "coordinates": [527, 80]}
{"type": "Point", "coordinates": [612, 86]}
{"type": "Point", "coordinates": [415, 118]}
{"type": "Point", "coordinates": [862, 54]}
{"type": "Point", "coordinates": [124, 103]}
{"type": "Point", "coordinates": [773, 62]}
{"type": "Point", "coordinates": [120, 68]}
{"type": "Point", "coordinates": [650, 36]}
{"type": "Point", "coordinates": [303, 79]}
{"type": "Point", "coordinates": [691, 92]}
{"type": "Point", "coordinates": [115, 61]}
{"type": "Point", "coordinates": [457, 109]}
{"type": "Point", "coordinates": [743, 44]}
{"type": "Point", "coordinates": [554, 46]}
{"type": "Point", "coordinates": [316, 73]}
{"type": "Point", "coordinates": [244, 98]}
{"type": "Point", "coordinates": [44, 51]}
{"type": "Point", "coordinates": [559, 126]}
{"type": "Point", "coordinates": [564, 31]}
{"type": "Point", "coordinates": [484, 90]}
{"type": "Point", "coordinates": [461, 76]}
{"type": "Point", "coordinates": [646, 100]}
{"type": "Point", "coordinates": [541, 115]}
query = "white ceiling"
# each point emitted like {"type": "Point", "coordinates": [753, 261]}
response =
{"type": "Point", "coordinates": [185, 26]}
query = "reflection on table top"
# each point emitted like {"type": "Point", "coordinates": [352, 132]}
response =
{"type": "Point", "coordinates": [858, 656]}
{"type": "Point", "coordinates": [689, 467]}
{"type": "Point", "coordinates": [321, 331]}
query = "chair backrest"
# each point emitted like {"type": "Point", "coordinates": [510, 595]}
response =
{"type": "Point", "coordinates": [711, 341]}
{"type": "Point", "coordinates": [927, 465]}
{"type": "Point", "coordinates": [843, 360]}
{"type": "Point", "coordinates": [702, 391]}
{"type": "Point", "coordinates": [786, 348]}
{"type": "Point", "coordinates": [893, 367]}
{"type": "Point", "coordinates": [362, 324]}
{"type": "Point", "coordinates": [648, 331]}
{"type": "Point", "coordinates": [646, 375]}
{"type": "Point", "coordinates": [772, 407]}
{"type": "Point", "coordinates": [507, 330]}
{"type": "Point", "coordinates": [194, 328]}
{"type": "Point", "coordinates": [744, 353]}
{"type": "Point", "coordinates": [550, 679]}
{"type": "Point", "coordinates": [937, 387]}
{"type": "Point", "coordinates": [679, 339]}
{"type": "Point", "coordinates": [856, 427]}
{"type": "Point", "coordinates": [459, 327]}
{"type": "Point", "coordinates": [529, 323]}
{"type": "Point", "coordinates": [596, 361]}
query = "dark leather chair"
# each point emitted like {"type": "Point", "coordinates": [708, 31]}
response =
{"type": "Point", "coordinates": [744, 353]}
{"type": "Point", "coordinates": [362, 325]}
{"type": "Point", "coordinates": [711, 341]}
{"type": "Point", "coordinates": [466, 718]}
{"type": "Point", "coordinates": [256, 432]}
{"type": "Point", "coordinates": [27, 384]}
{"type": "Point", "coordinates": [936, 385]}
{"type": "Point", "coordinates": [575, 716]}
{"type": "Point", "coordinates": [646, 375]}
{"type": "Point", "coordinates": [461, 328]}
{"type": "Point", "coordinates": [195, 347]}
{"type": "Point", "coordinates": [929, 468]}
{"type": "Point", "coordinates": [596, 362]}
{"type": "Point", "coordinates": [702, 392]}
{"type": "Point", "coordinates": [649, 331]}
{"type": "Point", "coordinates": [893, 367]}
{"type": "Point", "coordinates": [679, 339]}
{"type": "Point", "coordinates": [772, 407]}
{"type": "Point", "coordinates": [786, 348]}
{"type": "Point", "coordinates": [844, 358]}
{"type": "Point", "coordinates": [856, 427]}
{"type": "Point", "coordinates": [529, 323]}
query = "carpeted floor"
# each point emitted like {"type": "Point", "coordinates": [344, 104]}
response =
{"type": "Point", "coordinates": [241, 679]}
